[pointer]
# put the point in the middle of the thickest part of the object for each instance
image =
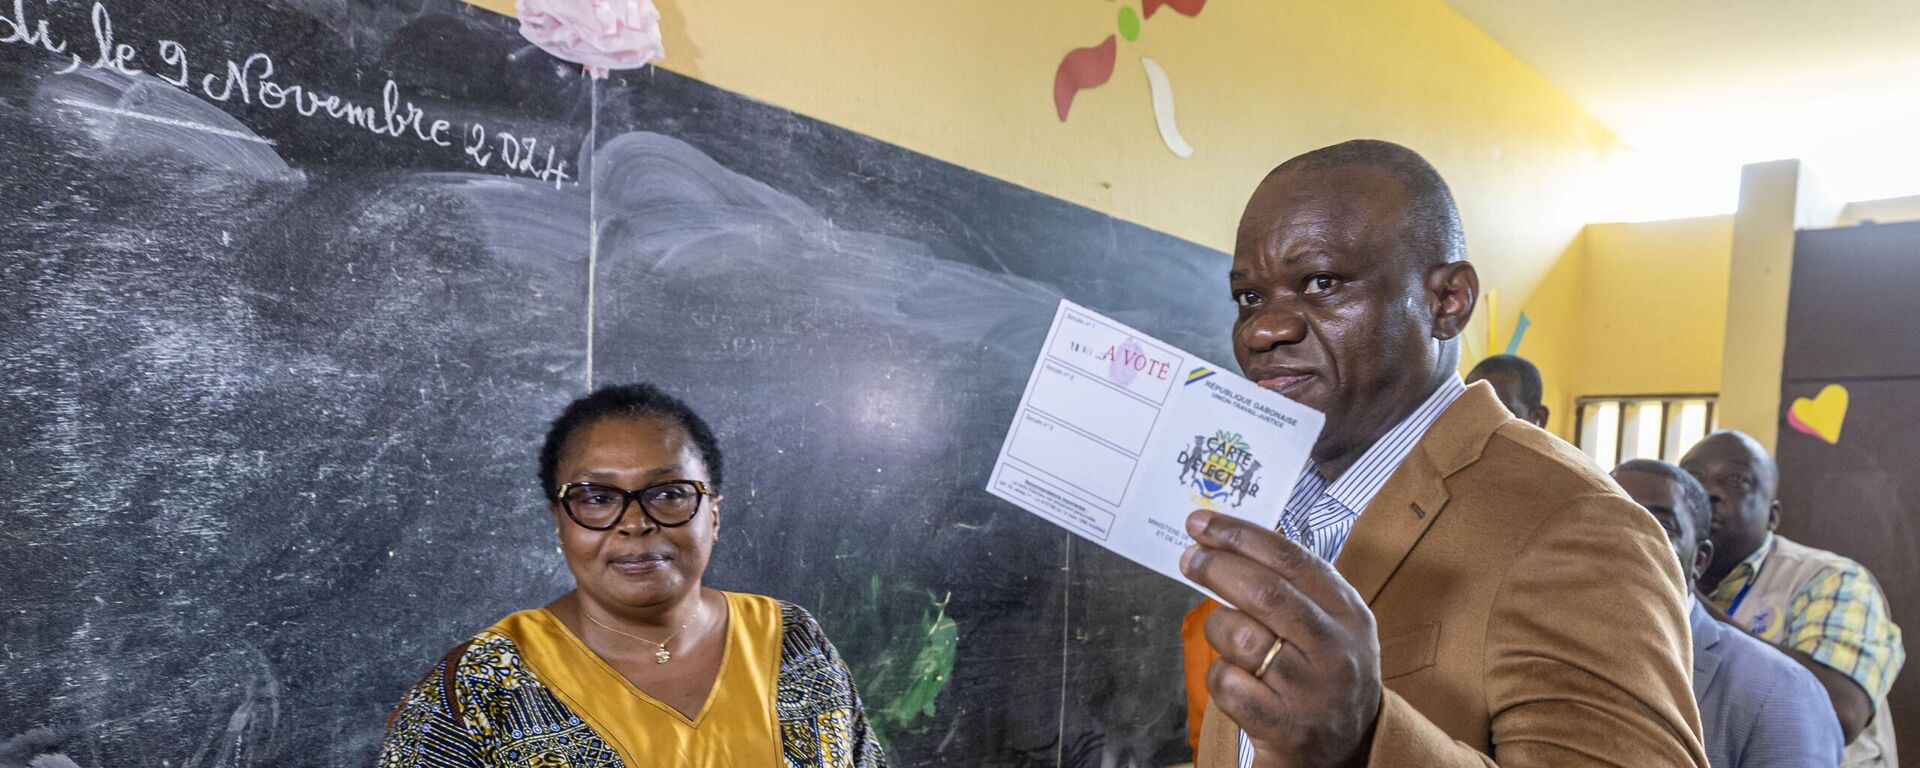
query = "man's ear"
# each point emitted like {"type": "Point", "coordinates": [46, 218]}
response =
{"type": "Point", "coordinates": [1773, 516]}
{"type": "Point", "coordinates": [1452, 291]}
{"type": "Point", "coordinates": [1540, 414]}
{"type": "Point", "coordinates": [1702, 557]}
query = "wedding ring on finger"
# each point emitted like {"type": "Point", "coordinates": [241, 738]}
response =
{"type": "Point", "coordinates": [1267, 663]}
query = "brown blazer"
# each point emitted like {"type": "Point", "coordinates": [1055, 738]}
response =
{"type": "Point", "coordinates": [1529, 613]}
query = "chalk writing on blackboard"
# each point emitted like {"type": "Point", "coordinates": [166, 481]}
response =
{"type": "Point", "coordinates": [252, 81]}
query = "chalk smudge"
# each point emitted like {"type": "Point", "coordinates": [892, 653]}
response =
{"type": "Point", "coordinates": [143, 116]}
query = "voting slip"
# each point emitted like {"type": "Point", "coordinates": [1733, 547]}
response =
{"type": "Point", "coordinates": [1120, 436]}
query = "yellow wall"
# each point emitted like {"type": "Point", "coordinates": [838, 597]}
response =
{"type": "Point", "coordinates": [1655, 307]}
{"type": "Point", "coordinates": [1761, 273]}
{"type": "Point", "coordinates": [1556, 309]}
{"type": "Point", "coordinates": [1886, 211]}
{"type": "Point", "coordinates": [1255, 82]}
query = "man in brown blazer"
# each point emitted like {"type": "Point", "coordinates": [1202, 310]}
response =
{"type": "Point", "coordinates": [1451, 586]}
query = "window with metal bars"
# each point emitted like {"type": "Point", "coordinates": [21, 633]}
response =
{"type": "Point", "coordinates": [1613, 429]}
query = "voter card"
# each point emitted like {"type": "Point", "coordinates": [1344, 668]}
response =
{"type": "Point", "coordinates": [1120, 436]}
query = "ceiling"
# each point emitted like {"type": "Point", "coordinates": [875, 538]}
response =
{"type": "Point", "coordinates": [1698, 87]}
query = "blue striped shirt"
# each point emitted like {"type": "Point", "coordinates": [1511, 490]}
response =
{"type": "Point", "coordinates": [1320, 513]}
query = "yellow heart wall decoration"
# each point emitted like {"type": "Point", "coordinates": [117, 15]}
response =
{"type": "Point", "coordinates": [1822, 415]}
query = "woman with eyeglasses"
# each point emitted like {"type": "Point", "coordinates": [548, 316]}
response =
{"type": "Point", "coordinates": [638, 665]}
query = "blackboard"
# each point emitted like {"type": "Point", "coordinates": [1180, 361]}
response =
{"type": "Point", "coordinates": [274, 383]}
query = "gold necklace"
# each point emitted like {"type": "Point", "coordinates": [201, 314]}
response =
{"type": "Point", "coordinates": [661, 656]}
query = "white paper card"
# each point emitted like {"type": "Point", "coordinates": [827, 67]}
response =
{"type": "Point", "coordinates": [1120, 436]}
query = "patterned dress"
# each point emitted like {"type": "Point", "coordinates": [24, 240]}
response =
{"type": "Point", "coordinates": [483, 706]}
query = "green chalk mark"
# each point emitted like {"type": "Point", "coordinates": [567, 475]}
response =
{"type": "Point", "coordinates": [1129, 23]}
{"type": "Point", "coordinates": [900, 645]}
{"type": "Point", "coordinates": [929, 671]}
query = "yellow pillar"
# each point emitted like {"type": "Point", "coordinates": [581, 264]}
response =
{"type": "Point", "coordinates": [1776, 198]}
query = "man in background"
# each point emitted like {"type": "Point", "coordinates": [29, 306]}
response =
{"type": "Point", "coordinates": [1517, 383]}
{"type": "Point", "coordinates": [1757, 707]}
{"type": "Point", "coordinates": [1823, 610]}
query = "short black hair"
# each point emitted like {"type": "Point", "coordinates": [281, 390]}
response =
{"type": "Point", "coordinates": [1432, 225]}
{"type": "Point", "coordinates": [1532, 389]}
{"type": "Point", "coordinates": [1693, 495]}
{"type": "Point", "coordinates": [639, 400]}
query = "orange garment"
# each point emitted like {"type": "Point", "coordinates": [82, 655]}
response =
{"type": "Point", "coordinates": [1196, 657]}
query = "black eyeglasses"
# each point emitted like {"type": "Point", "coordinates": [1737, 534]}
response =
{"type": "Point", "coordinates": [599, 507]}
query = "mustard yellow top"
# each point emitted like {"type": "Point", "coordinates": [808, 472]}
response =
{"type": "Point", "coordinates": [528, 692]}
{"type": "Point", "coordinates": [736, 726]}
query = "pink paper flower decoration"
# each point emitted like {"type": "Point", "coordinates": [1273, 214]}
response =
{"type": "Point", "coordinates": [598, 34]}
